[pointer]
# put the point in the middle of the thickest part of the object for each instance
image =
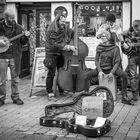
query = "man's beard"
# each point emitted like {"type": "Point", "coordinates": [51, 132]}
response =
{"type": "Point", "coordinates": [11, 23]}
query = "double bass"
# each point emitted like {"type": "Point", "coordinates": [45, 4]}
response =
{"type": "Point", "coordinates": [71, 77]}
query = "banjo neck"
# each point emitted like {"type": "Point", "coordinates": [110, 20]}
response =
{"type": "Point", "coordinates": [16, 37]}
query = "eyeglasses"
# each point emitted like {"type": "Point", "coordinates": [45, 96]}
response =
{"type": "Point", "coordinates": [103, 36]}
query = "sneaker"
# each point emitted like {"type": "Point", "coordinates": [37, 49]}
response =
{"type": "Point", "coordinates": [18, 101]}
{"type": "Point", "coordinates": [51, 97]}
{"type": "Point", "coordinates": [2, 103]}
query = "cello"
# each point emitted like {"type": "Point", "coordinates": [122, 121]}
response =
{"type": "Point", "coordinates": [71, 75]}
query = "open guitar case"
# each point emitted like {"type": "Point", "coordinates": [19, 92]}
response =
{"type": "Point", "coordinates": [51, 111]}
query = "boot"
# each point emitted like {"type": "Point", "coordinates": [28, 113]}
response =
{"type": "Point", "coordinates": [126, 99]}
{"type": "Point", "coordinates": [135, 97]}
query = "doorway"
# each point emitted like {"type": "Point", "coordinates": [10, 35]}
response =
{"type": "Point", "coordinates": [25, 61]}
{"type": "Point", "coordinates": [35, 18]}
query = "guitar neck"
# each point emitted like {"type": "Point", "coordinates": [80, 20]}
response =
{"type": "Point", "coordinates": [135, 44]}
{"type": "Point", "coordinates": [16, 37]}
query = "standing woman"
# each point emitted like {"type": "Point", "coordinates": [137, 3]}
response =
{"type": "Point", "coordinates": [57, 39]}
{"type": "Point", "coordinates": [107, 61]}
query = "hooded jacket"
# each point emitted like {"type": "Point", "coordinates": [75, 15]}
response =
{"type": "Point", "coordinates": [107, 57]}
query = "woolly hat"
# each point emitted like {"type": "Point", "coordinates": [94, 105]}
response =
{"type": "Point", "coordinates": [107, 34]}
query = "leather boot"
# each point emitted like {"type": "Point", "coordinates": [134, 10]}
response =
{"type": "Point", "coordinates": [126, 99]}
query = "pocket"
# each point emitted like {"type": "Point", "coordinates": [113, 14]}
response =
{"type": "Point", "coordinates": [49, 62]}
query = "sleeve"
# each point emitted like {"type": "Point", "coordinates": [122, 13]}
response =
{"type": "Point", "coordinates": [24, 39]}
{"type": "Point", "coordinates": [101, 29]}
{"type": "Point", "coordinates": [116, 60]}
{"type": "Point", "coordinates": [97, 61]}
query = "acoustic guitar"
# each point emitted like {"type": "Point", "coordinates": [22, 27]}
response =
{"type": "Point", "coordinates": [131, 47]}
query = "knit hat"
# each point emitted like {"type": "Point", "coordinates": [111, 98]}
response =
{"type": "Point", "coordinates": [107, 34]}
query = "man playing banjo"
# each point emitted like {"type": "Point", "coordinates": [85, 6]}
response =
{"type": "Point", "coordinates": [10, 55]}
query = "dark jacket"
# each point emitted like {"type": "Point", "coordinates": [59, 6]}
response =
{"type": "Point", "coordinates": [55, 41]}
{"type": "Point", "coordinates": [107, 57]}
{"type": "Point", "coordinates": [15, 50]}
{"type": "Point", "coordinates": [57, 38]}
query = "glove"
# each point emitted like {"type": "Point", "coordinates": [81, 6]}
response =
{"type": "Point", "coordinates": [69, 48]}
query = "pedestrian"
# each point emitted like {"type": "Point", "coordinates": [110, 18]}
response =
{"type": "Point", "coordinates": [58, 37]}
{"type": "Point", "coordinates": [10, 55]}
{"type": "Point", "coordinates": [111, 25]}
{"type": "Point", "coordinates": [107, 61]}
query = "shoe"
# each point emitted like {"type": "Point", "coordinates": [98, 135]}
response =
{"type": "Point", "coordinates": [51, 97]}
{"type": "Point", "coordinates": [128, 102]}
{"type": "Point", "coordinates": [2, 103]}
{"type": "Point", "coordinates": [135, 98]}
{"type": "Point", "coordinates": [18, 101]}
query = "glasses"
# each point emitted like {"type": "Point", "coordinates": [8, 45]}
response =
{"type": "Point", "coordinates": [103, 36]}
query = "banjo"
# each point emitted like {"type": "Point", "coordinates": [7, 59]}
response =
{"type": "Point", "coordinates": [5, 42]}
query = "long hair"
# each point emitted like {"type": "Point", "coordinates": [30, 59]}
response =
{"type": "Point", "coordinates": [54, 25]}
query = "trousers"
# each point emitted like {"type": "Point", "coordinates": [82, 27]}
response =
{"type": "Point", "coordinates": [4, 64]}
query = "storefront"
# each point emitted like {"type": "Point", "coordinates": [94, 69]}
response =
{"type": "Point", "coordinates": [36, 15]}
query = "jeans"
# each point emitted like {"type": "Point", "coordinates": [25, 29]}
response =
{"type": "Point", "coordinates": [119, 72]}
{"type": "Point", "coordinates": [4, 64]}
{"type": "Point", "coordinates": [133, 62]}
{"type": "Point", "coordinates": [58, 62]}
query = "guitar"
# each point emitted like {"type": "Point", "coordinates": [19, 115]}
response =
{"type": "Point", "coordinates": [5, 42]}
{"type": "Point", "coordinates": [129, 47]}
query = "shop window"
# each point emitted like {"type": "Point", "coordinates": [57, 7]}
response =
{"type": "Point", "coordinates": [92, 16]}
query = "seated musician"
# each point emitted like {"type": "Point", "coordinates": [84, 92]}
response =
{"type": "Point", "coordinates": [107, 61]}
{"type": "Point", "coordinates": [131, 48]}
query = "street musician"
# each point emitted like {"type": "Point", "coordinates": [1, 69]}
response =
{"type": "Point", "coordinates": [131, 47]}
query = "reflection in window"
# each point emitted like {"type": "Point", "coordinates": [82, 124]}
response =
{"type": "Point", "coordinates": [92, 16]}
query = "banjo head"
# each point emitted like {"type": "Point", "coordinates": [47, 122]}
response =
{"type": "Point", "coordinates": [4, 44]}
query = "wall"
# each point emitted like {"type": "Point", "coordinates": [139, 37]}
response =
{"type": "Point", "coordinates": [135, 9]}
{"type": "Point", "coordinates": [126, 14]}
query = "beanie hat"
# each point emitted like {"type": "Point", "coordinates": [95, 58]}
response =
{"type": "Point", "coordinates": [111, 18]}
{"type": "Point", "coordinates": [107, 34]}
